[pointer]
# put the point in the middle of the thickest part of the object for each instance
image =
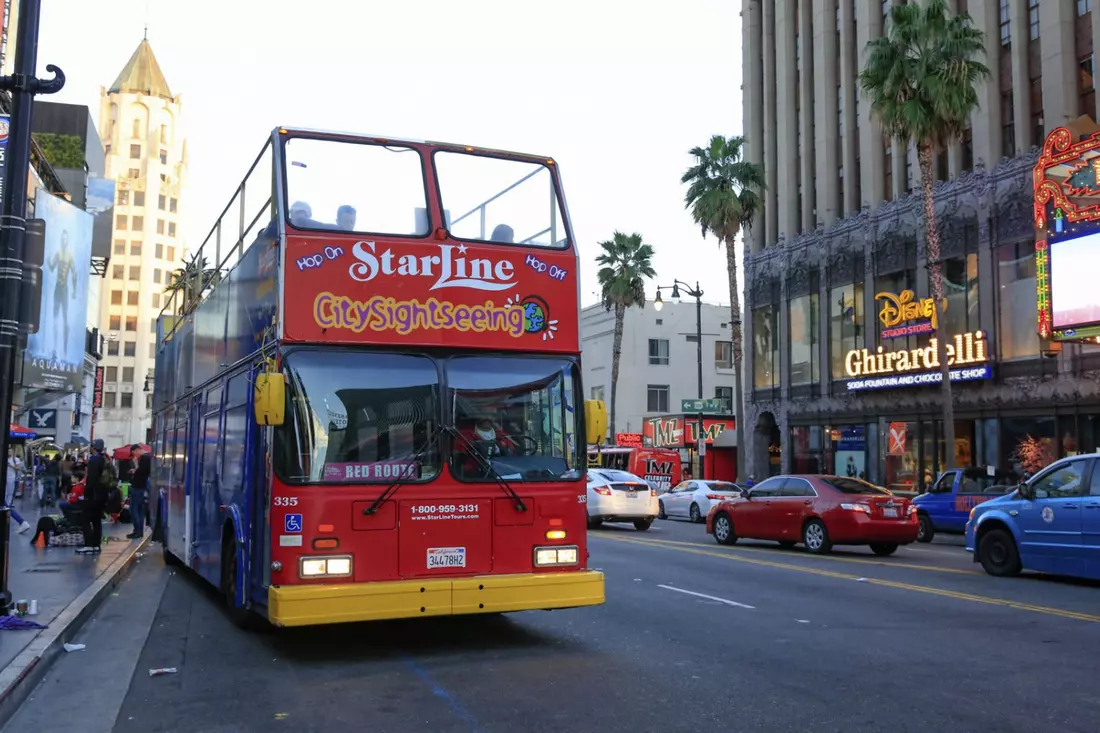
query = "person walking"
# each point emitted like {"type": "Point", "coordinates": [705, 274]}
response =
{"type": "Point", "coordinates": [100, 474]}
{"type": "Point", "coordinates": [139, 489]}
{"type": "Point", "coordinates": [51, 481]}
{"type": "Point", "coordinates": [15, 467]}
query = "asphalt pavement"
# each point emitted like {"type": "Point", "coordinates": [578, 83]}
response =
{"type": "Point", "coordinates": [693, 637]}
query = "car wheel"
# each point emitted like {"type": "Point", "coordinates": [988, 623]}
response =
{"type": "Point", "coordinates": [723, 530]}
{"type": "Point", "coordinates": [816, 537]}
{"type": "Point", "coordinates": [643, 524]}
{"type": "Point", "coordinates": [661, 510]}
{"type": "Point", "coordinates": [998, 554]}
{"type": "Point", "coordinates": [787, 544]}
{"type": "Point", "coordinates": [926, 531]}
{"type": "Point", "coordinates": [883, 548]}
{"type": "Point", "coordinates": [695, 515]}
{"type": "Point", "coordinates": [594, 522]}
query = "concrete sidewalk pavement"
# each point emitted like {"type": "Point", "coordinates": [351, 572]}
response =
{"type": "Point", "coordinates": [68, 586]}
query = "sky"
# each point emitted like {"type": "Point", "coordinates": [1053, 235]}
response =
{"type": "Point", "coordinates": [616, 91]}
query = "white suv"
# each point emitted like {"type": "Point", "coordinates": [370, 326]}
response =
{"type": "Point", "coordinates": [618, 496]}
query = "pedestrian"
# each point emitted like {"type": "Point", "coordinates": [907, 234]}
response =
{"type": "Point", "coordinates": [100, 476]}
{"type": "Point", "coordinates": [51, 481]}
{"type": "Point", "coordinates": [14, 466]}
{"type": "Point", "coordinates": [67, 467]}
{"type": "Point", "coordinates": [139, 489]}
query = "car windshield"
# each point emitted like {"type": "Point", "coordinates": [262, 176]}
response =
{"type": "Point", "coordinates": [854, 486]}
{"type": "Point", "coordinates": [516, 416]}
{"type": "Point", "coordinates": [358, 417]}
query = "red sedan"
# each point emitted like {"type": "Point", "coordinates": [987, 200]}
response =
{"type": "Point", "coordinates": [819, 512]}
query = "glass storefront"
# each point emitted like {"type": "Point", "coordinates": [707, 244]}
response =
{"type": "Point", "coordinates": [838, 449]}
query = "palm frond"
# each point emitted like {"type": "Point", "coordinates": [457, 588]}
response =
{"type": "Point", "coordinates": [626, 262]}
{"type": "Point", "coordinates": [723, 188]}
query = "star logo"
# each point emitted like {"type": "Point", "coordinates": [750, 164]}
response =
{"type": "Point", "coordinates": [462, 249]}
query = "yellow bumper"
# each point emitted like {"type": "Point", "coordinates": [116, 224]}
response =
{"type": "Point", "coordinates": [307, 605]}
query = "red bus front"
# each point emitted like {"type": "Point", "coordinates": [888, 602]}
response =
{"type": "Point", "coordinates": [432, 456]}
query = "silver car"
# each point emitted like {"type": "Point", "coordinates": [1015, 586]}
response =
{"type": "Point", "coordinates": [693, 499]}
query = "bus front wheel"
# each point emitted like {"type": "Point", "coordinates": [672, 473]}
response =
{"type": "Point", "coordinates": [240, 615]}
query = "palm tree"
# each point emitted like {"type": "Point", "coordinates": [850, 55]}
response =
{"type": "Point", "coordinates": [921, 79]}
{"type": "Point", "coordinates": [192, 282]}
{"type": "Point", "coordinates": [625, 262]}
{"type": "Point", "coordinates": [724, 196]}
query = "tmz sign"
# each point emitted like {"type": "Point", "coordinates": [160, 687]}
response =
{"type": "Point", "coordinates": [675, 431]}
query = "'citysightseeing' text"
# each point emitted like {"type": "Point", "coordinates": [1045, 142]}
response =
{"type": "Point", "coordinates": [405, 316]}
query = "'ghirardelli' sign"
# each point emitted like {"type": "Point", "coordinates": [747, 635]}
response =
{"type": "Point", "coordinates": [450, 271]}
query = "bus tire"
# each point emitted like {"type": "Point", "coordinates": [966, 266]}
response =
{"type": "Point", "coordinates": [169, 559]}
{"type": "Point", "coordinates": [243, 617]}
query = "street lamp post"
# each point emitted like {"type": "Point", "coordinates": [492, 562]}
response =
{"type": "Point", "coordinates": [696, 293]}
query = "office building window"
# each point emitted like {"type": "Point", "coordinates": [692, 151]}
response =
{"type": "Point", "coordinates": [123, 196]}
{"type": "Point", "coordinates": [960, 286]}
{"type": "Point", "coordinates": [765, 347]}
{"type": "Point", "coordinates": [148, 400]}
{"type": "Point", "coordinates": [164, 157]}
{"type": "Point", "coordinates": [1084, 6]}
{"type": "Point", "coordinates": [159, 251]}
{"type": "Point", "coordinates": [160, 226]}
{"type": "Point", "coordinates": [171, 253]}
{"type": "Point", "coordinates": [126, 399]}
{"type": "Point", "coordinates": [135, 272]}
{"type": "Point", "coordinates": [162, 201]}
{"type": "Point", "coordinates": [153, 326]}
{"type": "Point", "coordinates": [1004, 16]}
{"type": "Point", "coordinates": [968, 147]}
{"type": "Point", "coordinates": [135, 152]}
{"type": "Point", "coordinates": [131, 323]}
{"type": "Point", "coordinates": [129, 348]}
{"type": "Point", "coordinates": [888, 171]}
{"type": "Point", "coordinates": [657, 398]}
{"type": "Point", "coordinates": [137, 223]}
{"type": "Point", "coordinates": [805, 362]}
{"type": "Point", "coordinates": [726, 395]}
{"type": "Point", "coordinates": [152, 351]}
{"type": "Point", "coordinates": [156, 300]}
{"type": "Point", "coordinates": [128, 374]}
{"type": "Point", "coordinates": [156, 275]}
{"type": "Point", "coordinates": [109, 399]}
{"type": "Point", "coordinates": [1086, 91]}
{"type": "Point", "coordinates": [1008, 125]}
{"type": "Point", "coordinates": [111, 374]}
{"type": "Point", "coordinates": [116, 297]}
{"type": "Point", "coordinates": [115, 323]}
{"type": "Point", "coordinates": [164, 133]}
{"type": "Point", "coordinates": [172, 205]}
{"type": "Point", "coordinates": [1019, 309]}
{"type": "Point", "coordinates": [135, 130]}
{"type": "Point", "coordinates": [658, 352]}
{"type": "Point", "coordinates": [118, 272]}
{"type": "Point", "coordinates": [120, 221]}
{"type": "Point", "coordinates": [139, 198]}
{"type": "Point", "coordinates": [135, 249]}
{"type": "Point", "coordinates": [132, 297]}
{"type": "Point", "coordinates": [723, 354]}
{"type": "Point", "coordinates": [120, 247]}
{"type": "Point", "coordinates": [171, 229]}
{"type": "Point", "coordinates": [134, 173]}
{"type": "Point", "coordinates": [112, 348]}
{"type": "Point", "coordinates": [845, 325]}
{"type": "Point", "coordinates": [1033, 19]}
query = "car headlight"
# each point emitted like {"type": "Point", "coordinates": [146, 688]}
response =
{"type": "Point", "coordinates": [336, 566]}
{"type": "Point", "coordinates": [555, 556]}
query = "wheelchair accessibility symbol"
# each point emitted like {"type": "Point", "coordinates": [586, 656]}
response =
{"type": "Point", "coordinates": [293, 522]}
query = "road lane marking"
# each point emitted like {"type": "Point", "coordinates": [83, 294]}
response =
{"type": "Point", "coordinates": [709, 598]}
{"type": "Point", "coordinates": [1047, 610]}
{"type": "Point", "coordinates": [833, 558]}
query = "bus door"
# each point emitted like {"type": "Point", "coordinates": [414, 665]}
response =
{"type": "Point", "coordinates": [205, 499]}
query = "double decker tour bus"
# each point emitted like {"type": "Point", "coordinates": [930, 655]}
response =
{"type": "Point", "coordinates": [367, 399]}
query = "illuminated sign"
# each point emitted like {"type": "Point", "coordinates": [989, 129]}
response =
{"type": "Point", "coordinates": [97, 394]}
{"type": "Point", "coordinates": [628, 440]}
{"type": "Point", "coordinates": [967, 353]}
{"type": "Point", "coordinates": [903, 314]}
{"type": "Point", "coordinates": [675, 431]}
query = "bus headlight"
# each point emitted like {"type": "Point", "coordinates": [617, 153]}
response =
{"type": "Point", "coordinates": [553, 556]}
{"type": "Point", "coordinates": [337, 566]}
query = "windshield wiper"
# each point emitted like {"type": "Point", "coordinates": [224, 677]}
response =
{"type": "Point", "coordinates": [399, 482]}
{"type": "Point", "coordinates": [488, 465]}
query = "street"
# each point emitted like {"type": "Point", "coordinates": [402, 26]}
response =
{"type": "Point", "coordinates": [693, 637]}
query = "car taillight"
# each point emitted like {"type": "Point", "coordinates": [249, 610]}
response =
{"type": "Point", "coordinates": [602, 490]}
{"type": "Point", "coordinates": [717, 497]}
{"type": "Point", "coordinates": [856, 508]}
{"type": "Point", "coordinates": [653, 492]}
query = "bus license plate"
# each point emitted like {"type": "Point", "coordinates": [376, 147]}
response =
{"type": "Point", "coordinates": [446, 557]}
{"type": "Point", "coordinates": [890, 512]}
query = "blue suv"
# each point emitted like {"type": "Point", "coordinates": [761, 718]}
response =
{"type": "Point", "coordinates": [1051, 523]}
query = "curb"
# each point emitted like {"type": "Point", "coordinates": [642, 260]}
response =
{"type": "Point", "coordinates": [19, 678]}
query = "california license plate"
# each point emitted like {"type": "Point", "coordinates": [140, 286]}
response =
{"type": "Point", "coordinates": [888, 512]}
{"type": "Point", "coordinates": [446, 557]}
{"type": "Point", "coordinates": [632, 494]}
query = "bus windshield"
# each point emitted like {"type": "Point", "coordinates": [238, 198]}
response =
{"type": "Point", "coordinates": [518, 414]}
{"type": "Point", "coordinates": [359, 417]}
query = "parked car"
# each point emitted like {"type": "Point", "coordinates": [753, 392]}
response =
{"type": "Point", "coordinates": [693, 499]}
{"type": "Point", "coordinates": [1050, 523]}
{"type": "Point", "coordinates": [819, 512]}
{"type": "Point", "coordinates": [947, 505]}
{"type": "Point", "coordinates": [619, 496]}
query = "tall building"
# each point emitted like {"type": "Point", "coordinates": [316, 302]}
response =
{"type": "Point", "coordinates": [841, 232]}
{"type": "Point", "coordinates": [147, 156]}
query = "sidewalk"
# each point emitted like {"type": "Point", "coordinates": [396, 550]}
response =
{"type": "Point", "coordinates": [57, 578]}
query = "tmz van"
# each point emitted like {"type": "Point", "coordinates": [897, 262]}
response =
{"type": "Point", "coordinates": [658, 466]}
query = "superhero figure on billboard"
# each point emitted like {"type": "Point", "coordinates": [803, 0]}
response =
{"type": "Point", "coordinates": [64, 265]}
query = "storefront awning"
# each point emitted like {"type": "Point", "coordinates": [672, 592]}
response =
{"type": "Point", "coordinates": [18, 432]}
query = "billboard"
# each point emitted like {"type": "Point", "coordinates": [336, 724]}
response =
{"type": "Point", "coordinates": [54, 358]}
{"type": "Point", "coordinates": [101, 204]}
{"type": "Point", "coordinates": [1075, 300]}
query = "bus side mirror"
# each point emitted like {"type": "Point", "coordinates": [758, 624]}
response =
{"type": "Point", "coordinates": [595, 421]}
{"type": "Point", "coordinates": [270, 399]}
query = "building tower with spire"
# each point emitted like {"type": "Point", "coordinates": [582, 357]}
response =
{"type": "Point", "coordinates": [146, 154]}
